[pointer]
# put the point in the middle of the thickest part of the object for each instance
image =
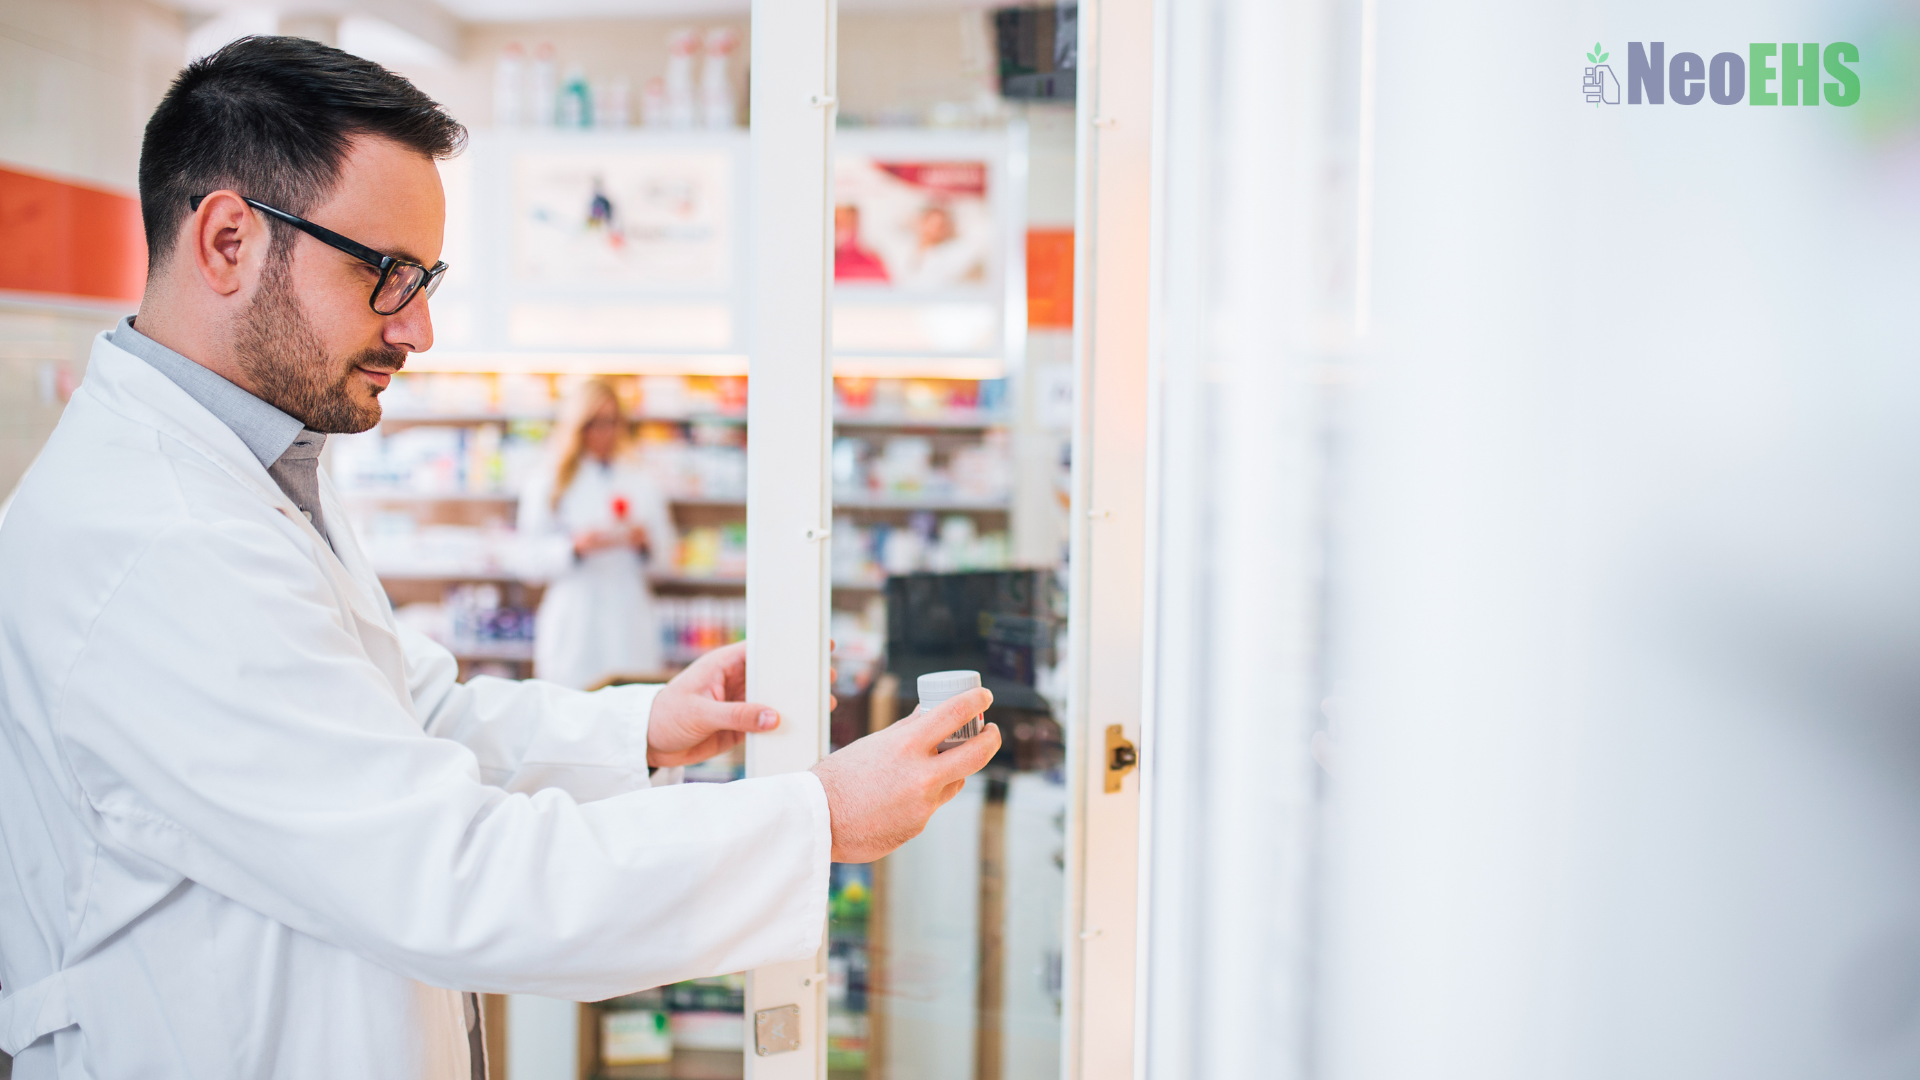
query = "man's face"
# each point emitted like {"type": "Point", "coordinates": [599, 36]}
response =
{"type": "Point", "coordinates": [309, 341]}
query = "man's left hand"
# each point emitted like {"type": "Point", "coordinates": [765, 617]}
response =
{"type": "Point", "coordinates": [700, 713]}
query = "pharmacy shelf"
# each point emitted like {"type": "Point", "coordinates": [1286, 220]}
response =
{"type": "Point", "coordinates": [422, 496]}
{"type": "Point", "coordinates": [854, 502]}
{"type": "Point", "coordinates": [453, 575]}
{"type": "Point", "coordinates": [483, 497]}
{"type": "Point", "coordinates": [467, 419]}
{"type": "Point", "coordinates": [659, 581]}
{"type": "Point", "coordinates": [882, 502]}
{"type": "Point", "coordinates": [938, 506]}
{"type": "Point", "coordinates": [864, 502]}
{"type": "Point", "coordinates": [697, 581]}
{"type": "Point", "coordinates": [497, 576]}
{"type": "Point", "coordinates": [958, 420]}
{"type": "Point", "coordinates": [462, 419]}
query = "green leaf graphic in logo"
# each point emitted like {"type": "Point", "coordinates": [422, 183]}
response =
{"type": "Point", "coordinates": [1598, 55]}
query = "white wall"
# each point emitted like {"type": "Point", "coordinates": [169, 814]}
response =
{"type": "Point", "coordinates": [78, 79]}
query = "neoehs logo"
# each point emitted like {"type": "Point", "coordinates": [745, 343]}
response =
{"type": "Point", "coordinates": [1728, 78]}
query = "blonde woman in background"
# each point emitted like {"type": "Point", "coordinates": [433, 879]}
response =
{"type": "Point", "coordinates": [601, 522]}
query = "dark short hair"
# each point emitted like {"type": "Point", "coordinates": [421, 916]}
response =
{"type": "Point", "coordinates": [272, 118]}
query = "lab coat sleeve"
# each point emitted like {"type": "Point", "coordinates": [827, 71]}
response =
{"type": "Point", "coordinates": [530, 735]}
{"type": "Point", "coordinates": [225, 722]}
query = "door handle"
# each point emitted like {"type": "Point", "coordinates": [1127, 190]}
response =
{"type": "Point", "coordinates": [1122, 757]}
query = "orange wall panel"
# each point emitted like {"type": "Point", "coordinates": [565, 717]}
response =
{"type": "Point", "coordinates": [70, 240]}
{"type": "Point", "coordinates": [1050, 278]}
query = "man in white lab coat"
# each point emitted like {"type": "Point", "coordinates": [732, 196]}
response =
{"type": "Point", "coordinates": [249, 824]}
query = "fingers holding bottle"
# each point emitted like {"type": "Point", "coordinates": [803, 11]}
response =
{"type": "Point", "coordinates": [882, 789]}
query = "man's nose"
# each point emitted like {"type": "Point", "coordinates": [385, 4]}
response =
{"type": "Point", "coordinates": [410, 328]}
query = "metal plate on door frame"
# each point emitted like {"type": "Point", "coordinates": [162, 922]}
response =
{"type": "Point", "coordinates": [776, 1030]}
{"type": "Point", "coordinates": [1122, 757]}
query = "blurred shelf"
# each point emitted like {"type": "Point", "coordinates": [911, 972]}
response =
{"type": "Point", "coordinates": [686, 1065]}
{"type": "Point", "coordinates": [659, 581]}
{"type": "Point", "coordinates": [882, 502]}
{"type": "Point", "coordinates": [958, 419]}
{"type": "Point", "coordinates": [456, 575]}
{"type": "Point", "coordinates": [467, 419]}
{"type": "Point", "coordinates": [951, 505]}
{"type": "Point", "coordinates": [453, 575]}
{"type": "Point", "coordinates": [409, 419]}
{"type": "Point", "coordinates": [471, 497]}
{"type": "Point", "coordinates": [728, 417]}
{"type": "Point", "coordinates": [422, 496]}
{"type": "Point", "coordinates": [697, 581]}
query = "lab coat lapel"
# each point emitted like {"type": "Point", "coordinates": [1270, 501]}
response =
{"type": "Point", "coordinates": [134, 388]}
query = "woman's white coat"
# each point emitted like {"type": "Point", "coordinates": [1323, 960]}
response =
{"type": "Point", "coordinates": [597, 618]}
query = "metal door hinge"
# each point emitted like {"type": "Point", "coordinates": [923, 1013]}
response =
{"type": "Point", "coordinates": [1122, 757]}
{"type": "Point", "coordinates": [776, 1030]}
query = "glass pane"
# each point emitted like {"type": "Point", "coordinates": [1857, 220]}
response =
{"type": "Point", "coordinates": [954, 410]}
{"type": "Point", "coordinates": [946, 956]}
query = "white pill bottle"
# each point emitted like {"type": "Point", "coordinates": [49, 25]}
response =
{"type": "Point", "coordinates": [936, 687]}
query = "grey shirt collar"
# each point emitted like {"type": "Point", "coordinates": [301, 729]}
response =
{"type": "Point", "coordinates": [265, 430]}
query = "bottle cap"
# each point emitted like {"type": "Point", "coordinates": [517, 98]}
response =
{"type": "Point", "coordinates": [937, 686]}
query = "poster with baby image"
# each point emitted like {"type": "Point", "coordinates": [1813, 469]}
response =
{"type": "Point", "coordinates": [636, 218]}
{"type": "Point", "coordinates": [917, 226]}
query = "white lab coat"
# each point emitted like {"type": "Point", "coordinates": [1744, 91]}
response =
{"type": "Point", "coordinates": [597, 616]}
{"type": "Point", "coordinates": [250, 826]}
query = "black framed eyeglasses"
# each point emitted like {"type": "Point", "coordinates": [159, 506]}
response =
{"type": "Point", "coordinates": [400, 278]}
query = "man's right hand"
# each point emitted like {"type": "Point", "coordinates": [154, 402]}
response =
{"type": "Point", "coordinates": [882, 789]}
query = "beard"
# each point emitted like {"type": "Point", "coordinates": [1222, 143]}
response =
{"type": "Point", "coordinates": [281, 352]}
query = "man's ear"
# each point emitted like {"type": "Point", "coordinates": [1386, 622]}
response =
{"type": "Point", "coordinates": [228, 242]}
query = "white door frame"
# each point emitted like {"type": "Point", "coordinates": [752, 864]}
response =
{"type": "Point", "coordinates": [1112, 290]}
{"type": "Point", "coordinates": [790, 418]}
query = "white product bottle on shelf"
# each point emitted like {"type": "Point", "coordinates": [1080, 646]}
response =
{"type": "Point", "coordinates": [936, 687]}
{"type": "Point", "coordinates": [681, 45]}
{"type": "Point", "coordinates": [510, 87]}
{"type": "Point", "coordinates": [610, 103]}
{"type": "Point", "coordinates": [542, 100]}
{"type": "Point", "coordinates": [717, 106]}
{"type": "Point", "coordinates": [653, 103]}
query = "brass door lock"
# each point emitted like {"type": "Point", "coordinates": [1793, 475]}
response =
{"type": "Point", "coordinates": [1122, 757]}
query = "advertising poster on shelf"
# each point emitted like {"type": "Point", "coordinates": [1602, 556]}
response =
{"type": "Point", "coordinates": [637, 219]}
{"type": "Point", "coordinates": [913, 226]}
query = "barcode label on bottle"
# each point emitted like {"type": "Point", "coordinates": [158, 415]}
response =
{"type": "Point", "coordinates": [972, 727]}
